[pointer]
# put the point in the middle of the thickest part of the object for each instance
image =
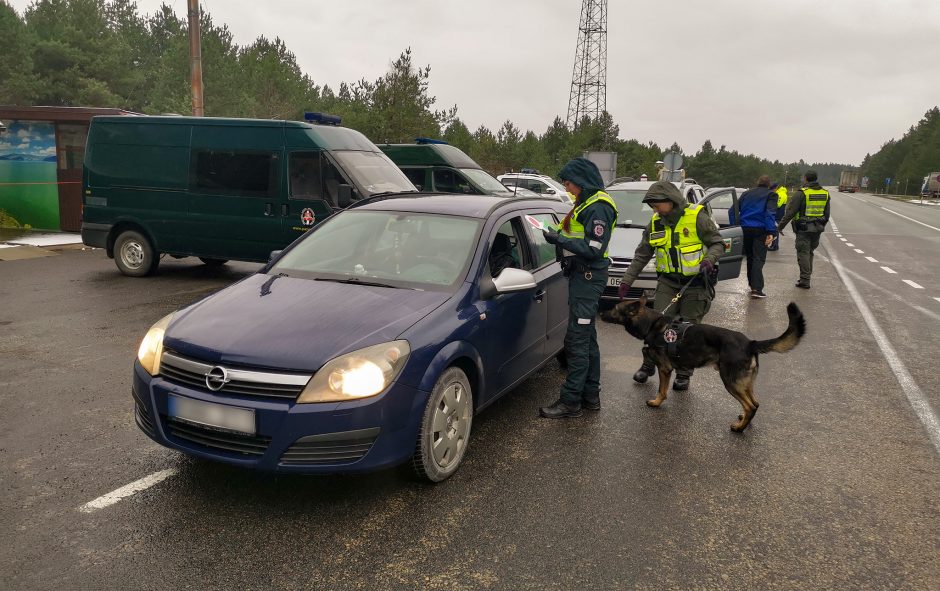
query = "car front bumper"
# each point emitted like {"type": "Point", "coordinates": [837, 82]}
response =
{"type": "Point", "coordinates": [356, 436]}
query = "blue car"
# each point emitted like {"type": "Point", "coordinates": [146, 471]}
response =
{"type": "Point", "coordinates": [370, 342]}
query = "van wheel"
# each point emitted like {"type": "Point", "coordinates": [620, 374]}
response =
{"type": "Point", "coordinates": [213, 262]}
{"type": "Point", "coordinates": [445, 427]}
{"type": "Point", "coordinates": [134, 255]}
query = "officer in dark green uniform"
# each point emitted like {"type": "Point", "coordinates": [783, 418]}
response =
{"type": "Point", "coordinates": [809, 210]}
{"type": "Point", "coordinates": [687, 245]}
{"type": "Point", "coordinates": [582, 238]}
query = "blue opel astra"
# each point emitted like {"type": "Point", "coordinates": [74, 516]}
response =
{"type": "Point", "coordinates": [370, 342]}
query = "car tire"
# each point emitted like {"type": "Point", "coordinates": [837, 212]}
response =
{"type": "Point", "coordinates": [213, 262]}
{"type": "Point", "coordinates": [134, 255]}
{"type": "Point", "coordinates": [445, 427]}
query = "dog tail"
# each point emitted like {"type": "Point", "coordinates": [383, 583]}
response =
{"type": "Point", "coordinates": [790, 337]}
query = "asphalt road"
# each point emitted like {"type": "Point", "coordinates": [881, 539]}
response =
{"type": "Point", "coordinates": [834, 486]}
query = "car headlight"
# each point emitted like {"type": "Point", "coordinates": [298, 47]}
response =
{"type": "Point", "coordinates": [151, 348]}
{"type": "Point", "coordinates": [358, 374]}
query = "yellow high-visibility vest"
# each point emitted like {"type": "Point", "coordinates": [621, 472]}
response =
{"type": "Point", "coordinates": [575, 227]}
{"type": "Point", "coordinates": [680, 250]}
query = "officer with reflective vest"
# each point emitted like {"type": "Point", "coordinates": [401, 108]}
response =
{"type": "Point", "coordinates": [809, 210]}
{"type": "Point", "coordinates": [687, 245]}
{"type": "Point", "coordinates": [581, 241]}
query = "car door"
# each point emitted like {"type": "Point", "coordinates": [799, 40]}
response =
{"type": "Point", "coordinates": [514, 342]}
{"type": "Point", "coordinates": [548, 275]}
{"type": "Point", "coordinates": [723, 206]}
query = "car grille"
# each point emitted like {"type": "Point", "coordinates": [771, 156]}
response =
{"type": "Point", "coordinates": [331, 448]}
{"type": "Point", "coordinates": [249, 445]}
{"type": "Point", "coordinates": [141, 416]}
{"type": "Point", "coordinates": [632, 294]}
{"type": "Point", "coordinates": [183, 370]}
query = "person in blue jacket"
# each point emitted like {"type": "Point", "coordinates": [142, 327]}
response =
{"type": "Point", "coordinates": [758, 207]}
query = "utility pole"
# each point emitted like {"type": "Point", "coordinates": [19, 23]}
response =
{"type": "Point", "coordinates": [588, 97]}
{"type": "Point", "coordinates": [195, 58]}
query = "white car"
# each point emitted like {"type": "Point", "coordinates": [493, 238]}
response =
{"type": "Point", "coordinates": [542, 184]}
{"type": "Point", "coordinates": [633, 216]}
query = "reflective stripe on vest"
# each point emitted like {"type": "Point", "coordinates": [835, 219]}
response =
{"type": "Point", "coordinates": [576, 228]}
{"type": "Point", "coordinates": [679, 251]}
{"type": "Point", "coordinates": [816, 200]}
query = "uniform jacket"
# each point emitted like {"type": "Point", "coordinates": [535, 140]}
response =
{"type": "Point", "coordinates": [758, 208]}
{"type": "Point", "coordinates": [704, 226]}
{"type": "Point", "coordinates": [797, 205]}
{"type": "Point", "coordinates": [598, 218]}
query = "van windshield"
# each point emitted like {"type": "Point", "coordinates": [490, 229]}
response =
{"type": "Point", "coordinates": [373, 172]}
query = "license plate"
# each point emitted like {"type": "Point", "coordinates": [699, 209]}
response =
{"type": "Point", "coordinates": [219, 416]}
{"type": "Point", "coordinates": [613, 281]}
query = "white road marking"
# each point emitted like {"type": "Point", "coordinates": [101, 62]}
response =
{"type": "Point", "coordinates": [913, 392]}
{"type": "Point", "coordinates": [912, 219]}
{"type": "Point", "coordinates": [843, 239]}
{"type": "Point", "coordinates": [838, 235]}
{"type": "Point", "coordinates": [127, 490]}
{"type": "Point", "coordinates": [872, 259]}
{"type": "Point", "coordinates": [938, 299]}
{"type": "Point", "coordinates": [912, 284]}
{"type": "Point", "coordinates": [849, 244]}
{"type": "Point", "coordinates": [859, 251]}
{"type": "Point", "coordinates": [890, 270]}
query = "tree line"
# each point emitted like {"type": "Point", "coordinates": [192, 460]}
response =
{"type": "Point", "coordinates": [908, 160]}
{"type": "Point", "coordinates": [105, 54]}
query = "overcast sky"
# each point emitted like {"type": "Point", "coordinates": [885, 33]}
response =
{"type": "Point", "coordinates": [784, 79]}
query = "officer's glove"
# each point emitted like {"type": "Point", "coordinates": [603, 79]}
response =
{"type": "Point", "coordinates": [623, 289]}
{"type": "Point", "coordinates": [550, 236]}
{"type": "Point", "coordinates": [708, 269]}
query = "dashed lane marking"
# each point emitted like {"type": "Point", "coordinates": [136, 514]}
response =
{"type": "Point", "coordinates": [872, 259]}
{"type": "Point", "coordinates": [849, 244]}
{"type": "Point", "coordinates": [843, 239]}
{"type": "Point", "coordinates": [859, 251]}
{"type": "Point", "coordinates": [890, 270]}
{"type": "Point", "coordinates": [913, 392]}
{"type": "Point", "coordinates": [912, 284]}
{"type": "Point", "coordinates": [127, 490]}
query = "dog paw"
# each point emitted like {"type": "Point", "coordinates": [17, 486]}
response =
{"type": "Point", "coordinates": [737, 427]}
{"type": "Point", "coordinates": [655, 402]}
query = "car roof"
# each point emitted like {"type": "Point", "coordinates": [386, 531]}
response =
{"type": "Point", "coordinates": [476, 206]}
{"type": "Point", "coordinates": [427, 155]}
{"type": "Point", "coordinates": [643, 185]}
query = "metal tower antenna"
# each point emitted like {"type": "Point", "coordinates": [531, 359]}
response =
{"type": "Point", "coordinates": [589, 76]}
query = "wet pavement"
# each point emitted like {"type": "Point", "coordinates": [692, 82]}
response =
{"type": "Point", "coordinates": [833, 486]}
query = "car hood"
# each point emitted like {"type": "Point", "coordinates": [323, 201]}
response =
{"type": "Point", "coordinates": [294, 324]}
{"type": "Point", "coordinates": [623, 242]}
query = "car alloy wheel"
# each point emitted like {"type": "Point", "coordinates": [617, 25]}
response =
{"type": "Point", "coordinates": [445, 427]}
{"type": "Point", "coordinates": [134, 254]}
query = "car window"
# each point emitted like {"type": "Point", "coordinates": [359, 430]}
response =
{"type": "Point", "coordinates": [373, 171]}
{"type": "Point", "coordinates": [630, 207]}
{"type": "Point", "coordinates": [504, 250]}
{"type": "Point", "coordinates": [544, 252]}
{"type": "Point", "coordinates": [484, 180]}
{"type": "Point", "coordinates": [416, 176]}
{"type": "Point", "coordinates": [304, 175]}
{"type": "Point", "coordinates": [450, 181]}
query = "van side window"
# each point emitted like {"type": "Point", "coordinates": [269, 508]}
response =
{"type": "Point", "coordinates": [251, 174]}
{"type": "Point", "coordinates": [416, 176]}
{"type": "Point", "coordinates": [304, 170]}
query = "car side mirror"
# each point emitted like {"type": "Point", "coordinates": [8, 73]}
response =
{"type": "Point", "coordinates": [509, 280]}
{"type": "Point", "coordinates": [344, 194]}
{"type": "Point", "coordinates": [550, 191]}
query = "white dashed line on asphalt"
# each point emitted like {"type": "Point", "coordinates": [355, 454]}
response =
{"type": "Point", "coordinates": [912, 284]}
{"type": "Point", "coordinates": [842, 239]}
{"type": "Point", "coordinates": [872, 259]}
{"type": "Point", "coordinates": [127, 490]}
{"type": "Point", "coordinates": [859, 251]}
{"type": "Point", "coordinates": [890, 270]}
{"type": "Point", "coordinates": [938, 299]}
{"type": "Point", "coordinates": [849, 244]}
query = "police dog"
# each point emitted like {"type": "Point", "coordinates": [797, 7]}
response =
{"type": "Point", "coordinates": [732, 353]}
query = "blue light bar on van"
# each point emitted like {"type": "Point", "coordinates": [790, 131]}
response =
{"type": "Point", "coordinates": [322, 118]}
{"type": "Point", "coordinates": [427, 140]}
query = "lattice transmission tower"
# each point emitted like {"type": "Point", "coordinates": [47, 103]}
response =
{"type": "Point", "coordinates": [589, 76]}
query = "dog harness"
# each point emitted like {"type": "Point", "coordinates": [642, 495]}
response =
{"type": "Point", "coordinates": [668, 340]}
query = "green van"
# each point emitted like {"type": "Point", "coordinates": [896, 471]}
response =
{"type": "Point", "coordinates": [434, 166]}
{"type": "Point", "coordinates": [220, 189]}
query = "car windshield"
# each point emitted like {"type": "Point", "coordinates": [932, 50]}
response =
{"type": "Point", "coordinates": [630, 207]}
{"type": "Point", "coordinates": [399, 249]}
{"type": "Point", "coordinates": [374, 172]}
{"type": "Point", "coordinates": [483, 180]}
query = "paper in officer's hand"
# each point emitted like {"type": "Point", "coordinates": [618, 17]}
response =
{"type": "Point", "coordinates": [537, 224]}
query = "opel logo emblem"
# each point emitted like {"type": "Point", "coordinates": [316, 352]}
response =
{"type": "Point", "coordinates": [216, 378]}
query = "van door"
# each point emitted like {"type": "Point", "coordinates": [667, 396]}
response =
{"type": "Point", "coordinates": [311, 198]}
{"type": "Point", "coordinates": [723, 207]}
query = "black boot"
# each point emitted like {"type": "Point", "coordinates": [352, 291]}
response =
{"type": "Point", "coordinates": [591, 402]}
{"type": "Point", "coordinates": [681, 382]}
{"type": "Point", "coordinates": [561, 410]}
{"type": "Point", "coordinates": [643, 373]}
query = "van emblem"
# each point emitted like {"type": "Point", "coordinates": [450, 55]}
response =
{"type": "Point", "coordinates": [307, 217]}
{"type": "Point", "coordinates": [216, 378]}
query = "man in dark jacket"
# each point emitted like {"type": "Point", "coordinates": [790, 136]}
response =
{"type": "Point", "coordinates": [673, 225]}
{"type": "Point", "coordinates": [758, 208]}
{"type": "Point", "coordinates": [809, 210]}
{"type": "Point", "coordinates": [582, 240]}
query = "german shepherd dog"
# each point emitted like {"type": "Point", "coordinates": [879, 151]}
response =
{"type": "Point", "coordinates": [731, 352]}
